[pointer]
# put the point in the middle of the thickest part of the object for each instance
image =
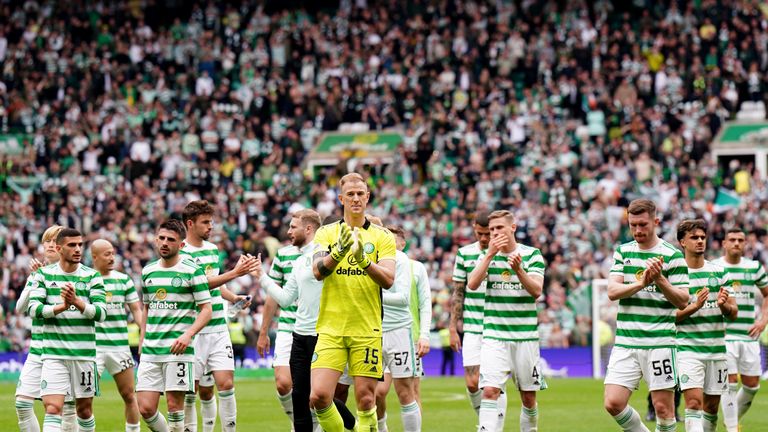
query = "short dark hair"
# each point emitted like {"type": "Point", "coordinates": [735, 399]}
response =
{"type": "Point", "coordinates": [67, 232]}
{"type": "Point", "coordinates": [640, 206]}
{"type": "Point", "coordinates": [397, 231]}
{"type": "Point", "coordinates": [174, 225]}
{"type": "Point", "coordinates": [734, 230]}
{"type": "Point", "coordinates": [481, 218]}
{"type": "Point", "coordinates": [195, 209]}
{"type": "Point", "coordinates": [690, 225]}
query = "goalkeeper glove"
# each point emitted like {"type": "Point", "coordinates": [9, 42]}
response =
{"type": "Point", "coordinates": [357, 251]}
{"type": "Point", "coordinates": [343, 243]}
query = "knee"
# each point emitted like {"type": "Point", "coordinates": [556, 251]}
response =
{"type": "Point", "coordinates": [691, 404]}
{"type": "Point", "coordinates": [320, 398]}
{"type": "Point", "coordinates": [224, 385]}
{"type": "Point", "coordinates": [206, 393]}
{"type": "Point", "coordinates": [84, 412]}
{"type": "Point", "coordinates": [529, 399]}
{"type": "Point", "coordinates": [663, 410]}
{"type": "Point", "coordinates": [52, 409]}
{"type": "Point", "coordinates": [128, 395]}
{"type": "Point", "coordinates": [147, 410]}
{"type": "Point", "coordinates": [283, 386]}
{"type": "Point", "coordinates": [367, 401]}
{"type": "Point", "coordinates": [614, 406]}
{"type": "Point", "coordinates": [405, 394]}
{"type": "Point", "coordinates": [472, 387]}
{"type": "Point", "coordinates": [491, 392]}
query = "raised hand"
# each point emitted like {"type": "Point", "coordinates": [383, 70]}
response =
{"type": "Point", "coordinates": [701, 297]}
{"type": "Point", "coordinates": [343, 243]}
{"type": "Point", "coordinates": [515, 261]}
{"type": "Point", "coordinates": [722, 296]}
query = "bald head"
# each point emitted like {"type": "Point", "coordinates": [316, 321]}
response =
{"type": "Point", "coordinates": [103, 256]}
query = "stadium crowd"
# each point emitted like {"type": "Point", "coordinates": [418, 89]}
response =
{"type": "Point", "coordinates": [561, 111]}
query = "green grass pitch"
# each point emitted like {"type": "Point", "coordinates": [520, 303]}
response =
{"type": "Point", "coordinates": [568, 405]}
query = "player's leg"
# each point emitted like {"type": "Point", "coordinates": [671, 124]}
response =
{"type": "Point", "coordinates": [659, 369]}
{"type": "Point", "coordinates": [150, 383]}
{"type": "Point", "coordinates": [470, 357]}
{"type": "Point", "coordinates": [190, 399]}
{"type": "Point", "coordinates": [55, 383]}
{"type": "Point", "coordinates": [329, 359]}
{"type": "Point", "coordinates": [410, 413]}
{"type": "Point", "coordinates": [27, 390]}
{"type": "Point", "coordinates": [300, 364]}
{"type": "Point", "coordinates": [366, 368]}
{"type": "Point", "coordinates": [221, 361]}
{"type": "Point", "coordinates": [179, 381]}
{"type": "Point", "coordinates": [342, 387]}
{"type": "Point", "coordinates": [750, 370]}
{"type": "Point", "coordinates": [692, 377]}
{"type": "Point", "coordinates": [529, 378]}
{"type": "Point", "coordinates": [623, 375]}
{"type": "Point", "coordinates": [495, 366]}
{"type": "Point", "coordinates": [281, 364]}
{"type": "Point", "coordinates": [175, 401]}
{"type": "Point", "coordinates": [715, 385]}
{"type": "Point", "coordinates": [382, 389]}
{"type": "Point", "coordinates": [125, 387]}
{"type": "Point", "coordinates": [728, 399]}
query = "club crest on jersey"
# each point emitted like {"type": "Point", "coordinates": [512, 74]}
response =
{"type": "Point", "coordinates": [713, 282]}
{"type": "Point", "coordinates": [161, 294]}
{"type": "Point", "coordinates": [80, 285]}
{"type": "Point", "coordinates": [368, 248]}
{"type": "Point", "coordinates": [176, 282]}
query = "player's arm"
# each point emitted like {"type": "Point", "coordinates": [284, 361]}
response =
{"type": "Point", "coordinates": [480, 272]}
{"type": "Point", "coordinates": [727, 304]}
{"type": "Point", "coordinates": [618, 290]}
{"type": "Point", "coordinates": [204, 314]}
{"type": "Point", "coordinates": [383, 271]}
{"type": "Point", "coordinates": [138, 313]}
{"type": "Point", "coordinates": [757, 328]}
{"type": "Point", "coordinates": [244, 266]}
{"type": "Point", "coordinates": [694, 306]}
{"type": "Point", "coordinates": [283, 296]}
{"type": "Point", "coordinates": [38, 299]}
{"type": "Point", "coordinates": [330, 250]}
{"type": "Point", "coordinates": [396, 296]}
{"type": "Point", "coordinates": [425, 301]}
{"type": "Point", "coordinates": [143, 327]}
{"type": "Point", "coordinates": [675, 287]}
{"type": "Point", "coordinates": [22, 304]}
{"type": "Point", "coordinates": [530, 276]}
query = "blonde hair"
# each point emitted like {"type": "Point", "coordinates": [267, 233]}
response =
{"type": "Point", "coordinates": [308, 217]}
{"type": "Point", "coordinates": [506, 214]}
{"type": "Point", "coordinates": [352, 178]}
{"type": "Point", "coordinates": [51, 233]}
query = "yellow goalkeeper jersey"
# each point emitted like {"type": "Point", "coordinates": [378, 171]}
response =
{"type": "Point", "coordinates": [350, 304]}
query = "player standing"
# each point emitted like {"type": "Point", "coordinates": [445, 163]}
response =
{"type": "Point", "coordinates": [299, 234]}
{"type": "Point", "coordinates": [112, 350]}
{"type": "Point", "coordinates": [177, 305]}
{"type": "Point", "coordinates": [399, 352]}
{"type": "Point", "coordinates": [28, 387]}
{"type": "Point", "coordinates": [468, 306]}
{"type": "Point", "coordinates": [743, 350]}
{"type": "Point", "coordinates": [421, 311]}
{"type": "Point", "coordinates": [514, 276]}
{"type": "Point", "coordinates": [355, 259]}
{"type": "Point", "coordinates": [649, 277]}
{"type": "Point", "coordinates": [70, 296]}
{"type": "Point", "coordinates": [303, 289]}
{"type": "Point", "coordinates": [701, 331]}
{"type": "Point", "coordinates": [214, 357]}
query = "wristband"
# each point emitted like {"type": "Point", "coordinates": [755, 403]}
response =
{"type": "Point", "coordinates": [365, 263]}
{"type": "Point", "coordinates": [336, 255]}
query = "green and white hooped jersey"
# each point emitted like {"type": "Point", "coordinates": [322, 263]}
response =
{"type": "Point", "coordinates": [510, 311]}
{"type": "Point", "coordinates": [112, 334]}
{"type": "Point", "coordinates": [746, 278]}
{"type": "Point", "coordinates": [703, 333]}
{"type": "Point", "coordinates": [281, 268]}
{"type": "Point", "coordinates": [171, 295]}
{"type": "Point", "coordinates": [36, 345]}
{"type": "Point", "coordinates": [395, 317]}
{"type": "Point", "coordinates": [474, 301]}
{"type": "Point", "coordinates": [207, 258]}
{"type": "Point", "coordinates": [646, 320]}
{"type": "Point", "coordinates": [70, 335]}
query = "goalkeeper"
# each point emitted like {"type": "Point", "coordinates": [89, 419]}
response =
{"type": "Point", "coordinates": [355, 259]}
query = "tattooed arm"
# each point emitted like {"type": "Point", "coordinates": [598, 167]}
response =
{"type": "Point", "coordinates": [457, 313]}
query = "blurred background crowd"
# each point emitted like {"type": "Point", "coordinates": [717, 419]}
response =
{"type": "Point", "coordinates": [560, 111]}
